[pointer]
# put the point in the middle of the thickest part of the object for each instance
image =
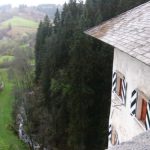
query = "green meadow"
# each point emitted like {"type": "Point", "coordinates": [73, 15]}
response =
{"type": "Point", "coordinates": [6, 58]}
{"type": "Point", "coordinates": [8, 140]}
{"type": "Point", "coordinates": [17, 21]}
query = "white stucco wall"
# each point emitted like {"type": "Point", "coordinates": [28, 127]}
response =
{"type": "Point", "coordinates": [137, 75]}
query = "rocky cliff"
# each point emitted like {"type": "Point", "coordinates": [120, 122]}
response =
{"type": "Point", "coordinates": [141, 142]}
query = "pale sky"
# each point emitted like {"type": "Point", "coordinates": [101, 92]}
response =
{"type": "Point", "coordinates": [31, 2]}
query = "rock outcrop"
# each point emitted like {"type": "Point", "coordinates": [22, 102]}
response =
{"type": "Point", "coordinates": [140, 142]}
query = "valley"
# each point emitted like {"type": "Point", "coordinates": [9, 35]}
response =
{"type": "Point", "coordinates": [16, 39]}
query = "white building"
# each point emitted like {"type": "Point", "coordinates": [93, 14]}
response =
{"type": "Point", "coordinates": [129, 34]}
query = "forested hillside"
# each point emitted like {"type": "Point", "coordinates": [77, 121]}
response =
{"type": "Point", "coordinates": [70, 101]}
{"type": "Point", "coordinates": [49, 9]}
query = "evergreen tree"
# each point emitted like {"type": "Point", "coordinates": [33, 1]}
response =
{"type": "Point", "coordinates": [38, 47]}
{"type": "Point", "coordinates": [57, 20]}
{"type": "Point", "coordinates": [42, 33]}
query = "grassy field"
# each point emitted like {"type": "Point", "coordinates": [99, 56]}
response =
{"type": "Point", "coordinates": [6, 58]}
{"type": "Point", "coordinates": [20, 22]}
{"type": "Point", "coordinates": [8, 141]}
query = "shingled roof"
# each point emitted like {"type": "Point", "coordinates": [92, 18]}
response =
{"type": "Point", "coordinates": [129, 32]}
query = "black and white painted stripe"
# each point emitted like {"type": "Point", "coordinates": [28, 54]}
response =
{"type": "Point", "coordinates": [124, 91]}
{"type": "Point", "coordinates": [110, 132]}
{"type": "Point", "coordinates": [134, 97]}
{"type": "Point", "coordinates": [114, 82]}
{"type": "Point", "coordinates": [147, 124]}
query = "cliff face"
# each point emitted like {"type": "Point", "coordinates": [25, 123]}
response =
{"type": "Point", "coordinates": [140, 142]}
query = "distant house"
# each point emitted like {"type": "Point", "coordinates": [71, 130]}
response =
{"type": "Point", "coordinates": [129, 34]}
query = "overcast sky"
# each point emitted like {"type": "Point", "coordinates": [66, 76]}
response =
{"type": "Point", "coordinates": [31, 2]}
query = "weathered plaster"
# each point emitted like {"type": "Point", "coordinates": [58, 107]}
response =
{"type": "Point", "coordinates": [137, 75]}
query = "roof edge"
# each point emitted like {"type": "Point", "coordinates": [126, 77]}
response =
{"type": "Point", "coordinates": [103, 22]}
